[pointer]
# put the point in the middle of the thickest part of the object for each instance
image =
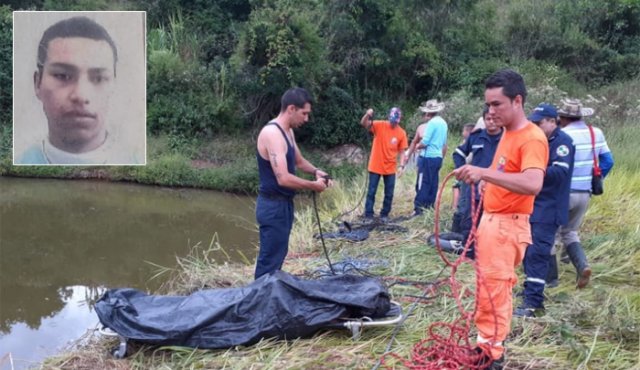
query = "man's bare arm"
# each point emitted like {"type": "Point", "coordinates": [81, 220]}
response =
{"type": "Point", "coordinates": [367, 119]}
{"type": "Point", "coordinates": [527, 182]}
{"type": "Point", "coordinates": [275, 147]}
{"type": "Point", "coordinates": [303, 164]}
{"type": "Point", "coordinates": [412, 147]}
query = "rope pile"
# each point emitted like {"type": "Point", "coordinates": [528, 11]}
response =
{"type": "Point", "coordinates": [447, 345]}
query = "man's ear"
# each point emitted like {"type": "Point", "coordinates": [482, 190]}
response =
{"type": "Point", "coordinates": [36, 83]}
{"type": "Point", "coordinates": [518, 100]}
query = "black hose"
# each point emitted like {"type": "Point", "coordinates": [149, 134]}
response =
{"type": "Point", "coordinates": [324, 247]}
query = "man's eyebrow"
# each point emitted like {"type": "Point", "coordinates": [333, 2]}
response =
{"type": "Point", "coordinates": [64, 66]}
{"type": "Point", "coordinates": [71, 67]}
{"type": "Point", "coordinates": [99, 70]}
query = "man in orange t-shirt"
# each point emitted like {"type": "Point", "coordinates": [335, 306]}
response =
{"type": "Point", "coordinates": [510, 186]}
{"type": "Point", "coordinates": [389, 140]}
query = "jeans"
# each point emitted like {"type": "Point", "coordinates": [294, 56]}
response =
{"type": "Point", "coordinates": [389, 185]}
{"type": "Point", "coordinates": [275, 218]}
{"type": "Point", "coordinates": [426, 183]}
{"type": "Point", "coordinates": [578, 204]}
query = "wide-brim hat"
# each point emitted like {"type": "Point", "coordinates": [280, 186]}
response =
{"type": "Point", "coordinates": [573, 108]}
{"type": "Point", "coordinates": [431, 106]}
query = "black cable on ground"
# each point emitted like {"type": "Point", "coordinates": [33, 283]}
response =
{"type": "Point", "coordinates": [324, 247]}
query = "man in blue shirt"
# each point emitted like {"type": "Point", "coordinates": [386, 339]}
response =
{"type": "Point", "coordinates": [571, 120]}
{"type": "Point", "coordinates": [431, 148]}
{"type": "Point", "coordinates": [550, 209]}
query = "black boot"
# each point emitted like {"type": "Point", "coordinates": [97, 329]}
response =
{"type": "Point", "coordinates": [579, 261]}
{"type": "Point", "coordinates": [552, 274]}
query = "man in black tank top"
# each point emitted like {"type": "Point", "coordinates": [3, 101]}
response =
{"type": "Point", "coordinates": [278, 158]}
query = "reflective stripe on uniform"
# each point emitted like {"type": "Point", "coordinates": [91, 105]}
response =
{"type": "Point", "coordinates": [481, 340]}
{"type": "Point", "coordinates": [536, 280]}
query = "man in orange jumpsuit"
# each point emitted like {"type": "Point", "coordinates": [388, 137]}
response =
{"type": "Point", "coordinates": [510, 186]}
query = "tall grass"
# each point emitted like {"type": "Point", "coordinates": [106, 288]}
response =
{"type": "Point", "coordinates": [593, 328]}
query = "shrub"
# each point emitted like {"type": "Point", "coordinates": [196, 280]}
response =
{"type": "Point", "coordinates": [335, 120]}
{"type": "Point", "coordinates": [187, 99]}
{"type": "Point", "coordinates": [6, 67]}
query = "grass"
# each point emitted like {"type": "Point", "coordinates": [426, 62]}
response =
{"type": "Point", "coordinates": [594, 328]}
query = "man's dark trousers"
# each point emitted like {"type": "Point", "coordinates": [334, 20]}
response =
{"type": "Point", "coordinates": [275, 217]}
{"type": "Point", "coordinates": [389, 186]}
{"type": "Point", "coordinates": [426, 183]}
{"type": "Point", "coordinates": [536, 263]}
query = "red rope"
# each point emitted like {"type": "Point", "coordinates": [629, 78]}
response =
{"type": "Point", "coordinates": [447, 345]}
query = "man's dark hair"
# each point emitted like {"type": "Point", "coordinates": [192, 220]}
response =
{"type": "Point", "coordinates": [485, 111]}
{"type": "Point", "coordinates": [74, 27]}
{"type": "Point", "coordinates": [572, 119]}
{"type": "Point", "coordinates": [296, 96]}
{"type": "Point", "coordinates": [511, 82]}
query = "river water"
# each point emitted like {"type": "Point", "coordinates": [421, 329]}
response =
{"type": "Point", "coordinates": [62, 243]}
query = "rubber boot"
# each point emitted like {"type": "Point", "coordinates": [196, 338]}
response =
{"type": "Point", "coordinates": [552, 274]}
{"type": "Point", "coordinates": [579, 261]}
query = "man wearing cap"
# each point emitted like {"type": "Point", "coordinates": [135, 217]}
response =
{"type": "Point", "coordinates": [389, 140]}
{"type": "Point", "coordinates": [431, 143]}
{"type": "Point", "coordinates": [571, 119]}
{"type": "Point", "coordinates": [550, 209]}
{"type": "Point", "coordinates": [510, 185]}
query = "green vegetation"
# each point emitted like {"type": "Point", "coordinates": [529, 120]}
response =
{"type": "Point", "coordinates": [219, 68]}
{"type": "Point", "coordinates": [594, 328]}
{"type": "Point", "coordinates": [215, 75]}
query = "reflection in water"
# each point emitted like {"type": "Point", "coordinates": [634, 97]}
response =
{"type": "Point", "coordinates": [56, 236]}
{"type": "Point", "coordinates": [75, 316]}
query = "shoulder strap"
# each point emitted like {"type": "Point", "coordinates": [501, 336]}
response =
{"type": "Point", "coordinates": [593, 148]}
{"type": "Point", "coordinates": [286, 138]}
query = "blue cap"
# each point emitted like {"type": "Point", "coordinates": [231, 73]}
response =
{"type": "Point", "coordinates": [543, 110]}
{"type": "Point", "coordinates": [395, 114]}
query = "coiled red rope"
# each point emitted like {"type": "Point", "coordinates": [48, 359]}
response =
{"type": "Point", "coordinates": [447, 345]}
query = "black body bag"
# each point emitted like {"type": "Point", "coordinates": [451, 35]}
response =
{"type": "Point", "coordinates": [277, 305]}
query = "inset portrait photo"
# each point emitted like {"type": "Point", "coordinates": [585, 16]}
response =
{"type": "Point", "coordinates": [79, 88]}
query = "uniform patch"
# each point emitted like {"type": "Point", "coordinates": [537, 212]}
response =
{"type": "Point", "coordinates": [502, 161]}
{"type": "Point", "coordinates": [562, 151]}
{"type": "Point", "coordinates": [394, 140]}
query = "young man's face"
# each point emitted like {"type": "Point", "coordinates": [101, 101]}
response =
{"type": "Point", "coordinates": [75, 87]}
{"type": "Point", "coordinates": [502, 109]}
{"type": "Point", "coordinates": [466, 131]}
{"type": "Point", "coordinates": [490, 125]}
{"type": "Point", "coordinates": [300, 116]}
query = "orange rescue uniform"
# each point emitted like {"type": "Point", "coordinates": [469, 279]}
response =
{"type": "Point", "coordinates": [387, 143]}
{"type": "Point", "coordinates": [504, 234]}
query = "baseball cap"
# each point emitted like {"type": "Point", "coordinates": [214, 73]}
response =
{"type": "Point", "coordinates": [395, 114]}
{"type": "Point", "coordinates": [543, 110]}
